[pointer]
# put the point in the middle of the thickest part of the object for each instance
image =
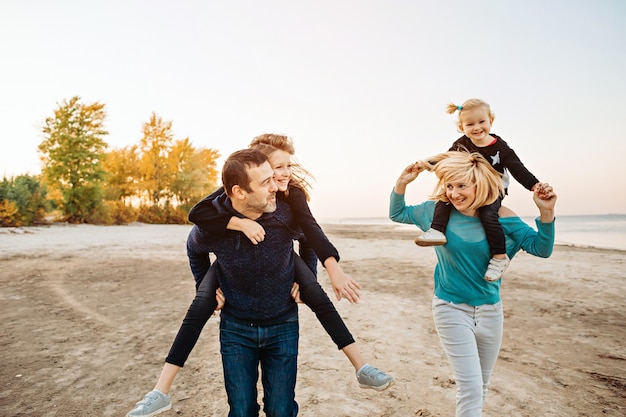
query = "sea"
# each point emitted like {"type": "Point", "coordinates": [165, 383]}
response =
{"type": "Point", "coordinates": [606, 231]}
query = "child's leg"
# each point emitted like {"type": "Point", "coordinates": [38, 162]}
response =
{"type": "Point", "coordinates": [495, 237]}
{"type": "Point", "coordinates": [166, 378]}
{"type": "Point", "coordinates": [493, 228]}
{"type": "Point", "coordinates": [435, 236]}
{"type": "Point", "coordinates": [353, 354]}
{"type": "Point", "coordinates": [199, 312]}
{"type": "Point", "coordinates": [441, 216]}
{"type": "Point", "coordinates": [314, 296]}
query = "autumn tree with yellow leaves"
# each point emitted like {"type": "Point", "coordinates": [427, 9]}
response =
{"type": "Point", "coordinates": [161, 175]}
{"type": "Point", "coordinates": [156, 180]}
{"type": "Point", "coordinates": [72, 152]}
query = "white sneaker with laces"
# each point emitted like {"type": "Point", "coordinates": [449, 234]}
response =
{"type": "Point", "coordinates": [431, 237]}
{"type": "Point", "coordinates": [496, 268]}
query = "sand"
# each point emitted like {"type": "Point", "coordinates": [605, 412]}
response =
{"type": "Point", "coordinates": [88, 314]}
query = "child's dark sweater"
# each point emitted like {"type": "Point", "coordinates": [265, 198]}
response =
{"type": "Point", "coordinates": [501, 157]}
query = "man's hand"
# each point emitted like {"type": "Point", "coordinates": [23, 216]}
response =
{"type": "Point", "coordinates": [295, 293]}
{"type": "Point", "coordinates": [220, 298]}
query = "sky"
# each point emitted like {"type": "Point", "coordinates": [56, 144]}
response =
{"type": "Point", "coordinates": [360, 85]}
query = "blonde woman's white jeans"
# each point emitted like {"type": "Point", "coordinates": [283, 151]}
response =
{"type": "Point", "coordinates": [471, 337]}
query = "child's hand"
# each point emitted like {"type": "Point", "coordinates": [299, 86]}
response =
{"type": "Point", "coordinates": [345, 286]}
{"type": "Point", "coordinates": [543, 190]}
{"type": "Point", "coordinates": [220, 298]}
{"type": "Point", "coordinates": [252, 230]}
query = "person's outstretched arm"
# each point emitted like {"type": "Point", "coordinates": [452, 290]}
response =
{"type": "Point", "coordinates": [343, 284]}
{"type": "Point", "coordinates": [538, 242]}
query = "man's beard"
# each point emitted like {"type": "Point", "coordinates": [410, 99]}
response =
{"type": "Point", "coordinates": [258, 207]}
{"type": "Point", "coordinates": [270, 207]}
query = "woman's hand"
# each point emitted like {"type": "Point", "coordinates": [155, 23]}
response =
{"type": "Point", "coordinates": [545, 199]}
{"type": "Point", "coordinates": [541, 188]}
{"type": "Point", "coordinates": [407, 176]}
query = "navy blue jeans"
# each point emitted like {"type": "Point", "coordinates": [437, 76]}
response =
{"type": "Point", "coordinates": [275, 348]}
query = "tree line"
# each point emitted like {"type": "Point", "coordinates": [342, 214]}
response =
{"type": "Point", "coordinates": [82, 180]}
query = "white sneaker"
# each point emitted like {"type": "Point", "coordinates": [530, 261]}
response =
{"type": "Point", "coordinates": [431, 237]}
{"type": "Point", "coordinates": [496, 268]}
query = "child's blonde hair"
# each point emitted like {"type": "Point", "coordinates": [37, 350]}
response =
{"type": "Point", "coordinates": [469, 168]}
{"type": "Point", "coordinates": [470, 104]}
{"type": "Point", "coordinates": [268, 143]}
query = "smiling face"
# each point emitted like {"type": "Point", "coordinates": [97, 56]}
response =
{"type": "Point", "coordinates": [462, 196]}
{"type": "Point", "coordinates": [476, 124]}
{"type": "Point", "coordinates": [262, 197]}
{"type": "Point", "coordinates": [281, 164]}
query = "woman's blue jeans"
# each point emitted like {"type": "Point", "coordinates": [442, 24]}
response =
{"type": "Point", "coordinates": [471, 337]}
{"type": "Point", "coordinates": [275, 348]}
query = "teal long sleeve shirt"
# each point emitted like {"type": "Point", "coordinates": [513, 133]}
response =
{"type": "Point", "coordinates": [462, 262]}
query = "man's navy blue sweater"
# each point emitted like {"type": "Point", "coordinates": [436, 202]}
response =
{"type": "Point", "coordinates": [256, 279]}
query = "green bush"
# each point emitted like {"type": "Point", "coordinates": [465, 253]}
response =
{"type": "Point", "coordinates": [24, 201]}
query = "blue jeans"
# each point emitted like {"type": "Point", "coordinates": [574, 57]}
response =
{"type": "Point", "coordinates": [471, 337]}
{"type": "Point", "coordinates": [275, 348]}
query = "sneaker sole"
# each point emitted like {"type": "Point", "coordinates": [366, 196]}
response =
{"type": "Point", "coordinates": [489, 279]}
{"type": "Point", "coordinates": [379, 388]}
{"type": "Point", "coordinates": [430, 242]}
{"type": "Point", "coordinates": [492, 280]}
{"type": "Point", "coordinates": [167, 407]}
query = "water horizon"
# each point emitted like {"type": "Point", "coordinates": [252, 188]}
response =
{"type": "Point", "coordinates": [606, 231]}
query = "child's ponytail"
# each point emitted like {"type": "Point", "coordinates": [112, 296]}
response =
{"type": "Point", "coordinates": [451, 108]}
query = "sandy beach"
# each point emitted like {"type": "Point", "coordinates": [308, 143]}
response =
{"type": "Point", "coordinates": [89, 312]}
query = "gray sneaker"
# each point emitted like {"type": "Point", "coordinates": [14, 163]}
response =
{"type": "Point", "coordinates": [373, 378]}
{"type": "Point", "coordinates": [154, 402]}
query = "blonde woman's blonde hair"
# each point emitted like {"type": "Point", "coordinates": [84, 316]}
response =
{"type": "Point", "coordinates": [470, 104]}
{"type": "Point", "coordinates": [268, 143]}
{"type": "Point", "coordinates": [469, 168]}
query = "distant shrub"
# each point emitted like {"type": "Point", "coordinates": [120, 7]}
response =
{"type": "Point", "coordinates": [24, 200]}
{"type": "Point", "coordinates": [9, 215]}
{"type": "Point", "coordinates": [112, 212]}
{"type": "Point", "coordinates": [162, 215]}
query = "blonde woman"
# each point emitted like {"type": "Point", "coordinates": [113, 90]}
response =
{"type": "Point", "coordinates": [467, 309]}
